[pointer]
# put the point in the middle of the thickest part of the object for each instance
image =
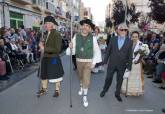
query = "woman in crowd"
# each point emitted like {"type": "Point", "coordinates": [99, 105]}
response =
{"type": "Point", "coordinates": [160, 67]}
{"type": "Point", "coordinates": [135, 82]}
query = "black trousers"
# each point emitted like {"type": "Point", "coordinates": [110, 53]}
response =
{"type": "Point", "coordinates": [74, 61]}
{"type": "Point", "coordinates": [109, 78]}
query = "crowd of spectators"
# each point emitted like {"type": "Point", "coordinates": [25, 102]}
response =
{"type": "Point", "coordinates": [154, 63]}
{"type": "Point", "coordinates": [19, 47]}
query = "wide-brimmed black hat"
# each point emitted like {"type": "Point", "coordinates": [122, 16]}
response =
{"type": "Point", "coordinates": [89, 22]}
{"type": "Point", "coordinates": [50, 19]}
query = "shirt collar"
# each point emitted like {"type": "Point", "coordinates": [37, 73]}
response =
{"type": "Point", "coordinates": [121, 37]}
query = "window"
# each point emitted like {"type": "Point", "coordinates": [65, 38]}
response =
{"type": "Point", "coordinates": [16, 19]}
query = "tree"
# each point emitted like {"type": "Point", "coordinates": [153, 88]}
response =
{"type": "Point", "coordinates": [157, 10]}
{"type": "Point", "coordinates": [134, 15]}
{"type": "Point", "coordinates": [108, 22]}
{"type": "Point", "coordinates": [119, 13]}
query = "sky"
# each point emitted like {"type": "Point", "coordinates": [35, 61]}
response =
{"type": "Point", "coordinates": [98, 8]}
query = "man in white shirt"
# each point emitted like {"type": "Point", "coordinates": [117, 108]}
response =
{"type": "Point", "coordinates": [84, 45]}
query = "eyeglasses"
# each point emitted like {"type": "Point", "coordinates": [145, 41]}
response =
{"type": "Point", "coordinates": [135, 37]}
{"type": "Point", "coordinates": [123, 29]}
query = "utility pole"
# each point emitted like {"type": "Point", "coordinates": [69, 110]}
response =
{"type": "Point", "coordinates": [71, 28]}
{"type": "Point", "coordinates": [126, 10]}
{"type": "Point", "coordinates": [71, 9]}
{"type": "Point", "coordinates": [3, 3]}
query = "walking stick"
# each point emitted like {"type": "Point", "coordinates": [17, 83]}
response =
{"type": "Point", "coordinates": [71, 32]}
{"type": "Point", "coordinates": [71, 79]}
{"type": "Point", "coordinates": [39, 73]}
{"type": "Point", "coordinates": [126, 87]}
{"type": "Point", "coordinates": [41, 53]}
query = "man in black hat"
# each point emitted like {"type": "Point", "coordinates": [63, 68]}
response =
{"type": "Point", "coordinates": [84, 45]}
{"type": "Point", "coordinates": [51, 67]}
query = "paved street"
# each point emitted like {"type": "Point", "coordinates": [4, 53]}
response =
{"type": "Point", "coordinates": [21, 98]}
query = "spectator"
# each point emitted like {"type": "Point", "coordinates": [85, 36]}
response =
{"type": "Point", "coordinates": [160, 67]}
{"type": "Point", "coordinates": [23, 33]}
{"type": "Point", "coordinates": [4, 56]}
{"type": "Point", "coordinates": [13, 35]}
{"type": "Point", "coordinates": [26, 49]}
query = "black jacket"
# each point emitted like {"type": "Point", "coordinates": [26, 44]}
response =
{"type": "Point", "coordinates": [119, 58]}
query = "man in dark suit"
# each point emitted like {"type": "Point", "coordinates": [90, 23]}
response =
{"type": "Point", "coordinates": [119, 54]}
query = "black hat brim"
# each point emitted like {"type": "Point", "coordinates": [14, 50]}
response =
{"type": "Point", "coordinates": [87, 21]}
{"type": "Point", "coordinates": [56, 23]}
{"type": "Point", "coordinates": [50, 19]}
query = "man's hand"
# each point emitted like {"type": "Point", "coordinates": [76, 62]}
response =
{"type": "Point", "coordinates": [92, 66]}
{"type": "Point", "coordinates": [126, 74]}
{"type": "Point", "coordinates": [71, 45]}
{"type": "Point", "coordinates": [41, 46]}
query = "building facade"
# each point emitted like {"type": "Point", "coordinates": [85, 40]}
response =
{"type": "Point", "coordinates": [22, 12]}
{"type": "Point", "coordinates": [82, 10]}
{"type": "Point", "coordinates": [30, 13]}
{"type": "Point", "coordinates": [141, 5]}
{"type": "Point", "coordinates": [108, 10]}
{"type": "Point", "coordinates": [85, 12]}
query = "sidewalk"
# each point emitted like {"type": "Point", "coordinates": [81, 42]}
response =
{"type": "Point", "coordinates": [17, 76]}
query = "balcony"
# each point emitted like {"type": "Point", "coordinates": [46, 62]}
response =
{"type": "Point", "coordinates": [50, 7]}
{"type": "Point", "coordinates": [23, 2]}
{"type": "Point", "coordinates": [37, 4]}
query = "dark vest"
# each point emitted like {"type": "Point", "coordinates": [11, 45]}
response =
{"type": "Point", "coordinates": [84, 46]}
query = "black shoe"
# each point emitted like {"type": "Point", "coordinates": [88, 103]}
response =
{"type": "Point", "coordinates": [162, 87]}
{"type": "Point", "coordinates": [118, 98]}
{"type": "Point", "coordinates": [148, 73]}
{"type": "Point", "coordinates": [157, 81]}
{"type": "Point", "coordinates": [74, 69]}
{"type": "Point", "coordinates": [163, 110]}
{"type": "Point", "coordinates": [150, 76]}
{"type": "Point", "coordinates": [41, 92]}
{"type": "Point", "coordinates": [102, 94]}
{"type": "Point", "coordinates": [56, 93]}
